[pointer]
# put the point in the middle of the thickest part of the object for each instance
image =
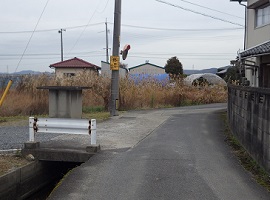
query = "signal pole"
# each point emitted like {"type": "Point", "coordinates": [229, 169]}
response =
{"type": "Point", "coordinates": [115, 73]}
{"type": "Point", "coordinates": [107, 42]}
{"type": "Point", "coordinates": [61, 32]}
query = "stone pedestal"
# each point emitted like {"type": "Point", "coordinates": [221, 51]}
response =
{"type": "Point", "coordinates": [65, 101]}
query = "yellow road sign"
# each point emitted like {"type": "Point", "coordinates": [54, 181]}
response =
{"type": "Point", "coordinates": [114, 62]}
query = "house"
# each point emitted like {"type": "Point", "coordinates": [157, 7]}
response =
{"type": "Point", "coordinates": [147, 68]}
{"type": "Point", "coordinates": [148, 71]}
{"type": "Point", "coordinates": [73, 67]}
{"type": "Point", "coordinates": [107, 72]}
{"type": "Point", "coordinates": [255, 58]}
{"type": "Point", "coordinates": [222, 71]}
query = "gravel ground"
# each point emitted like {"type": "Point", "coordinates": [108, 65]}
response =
{"type": "Point", "coordinates": [14, 137]}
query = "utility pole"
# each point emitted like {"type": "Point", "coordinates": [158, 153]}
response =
{"type": "Point", "coordinates": [107, 42]}
{"type": "Point", "coordinates": [61, 32]}
{"type": "Point", "coordinates": [115, 73]}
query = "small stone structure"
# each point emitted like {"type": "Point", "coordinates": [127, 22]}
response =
{"type": "Point", "coordinates": [65, 101]}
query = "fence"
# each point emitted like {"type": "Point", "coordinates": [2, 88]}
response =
{"type": "Point", "coordinates": [62, 126]}
{"type": "Point", "coordinates": [249, 118]}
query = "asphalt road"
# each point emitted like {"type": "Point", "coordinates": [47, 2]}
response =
{"type": "Point", "coordinates": [185, 157]}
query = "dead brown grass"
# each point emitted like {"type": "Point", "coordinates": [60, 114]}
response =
{"type": "Point", "coordinates": [9, 163]}
{"type": "Point", "coordinates": [25, 99]}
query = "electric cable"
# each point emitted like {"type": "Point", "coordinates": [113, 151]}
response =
{"type": "Point", "coordinates": [50, 30]}
{"type": "Point", "coordinates": [104, 7]}
{"type": "Point", "coordinates": [84, 28]}
{"type": "Point", "coordinates": [175, 29]}
{"type": "Point", "coordinates": [32, 35]}
{"type": "Point", "coordinates": [124, 25]}
{"type": "Point", "coordinates": [199, 13]}
{"type": "Point", "coordinates": [212, 9]}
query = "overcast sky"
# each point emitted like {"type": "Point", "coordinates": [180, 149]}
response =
{"type": "Point", "coordinates": [201, 37]}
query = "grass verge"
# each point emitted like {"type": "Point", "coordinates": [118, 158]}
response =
{"type": "Point", "coordinates": [9, 163]}
{"type": "Point", "coordinates": [89, 113]}
{"type": "Point", "coordinates": [14, 121]}
{"type": "Point", "coordinates": [258, 173]}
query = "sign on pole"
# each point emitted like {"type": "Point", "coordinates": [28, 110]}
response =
{"type": "Point", "coordinates": [114, 62]}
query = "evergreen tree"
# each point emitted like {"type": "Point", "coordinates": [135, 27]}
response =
{"type": "Point", "coordinates": [174, 66]}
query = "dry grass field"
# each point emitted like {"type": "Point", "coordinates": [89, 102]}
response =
{"type": "Point", "coordinates": [24, 99]}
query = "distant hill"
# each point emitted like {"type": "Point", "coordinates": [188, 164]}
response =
{"type": "Point", "coordinates": [26, 72]}
{"type": "Point", "coordinates": [190, 71]}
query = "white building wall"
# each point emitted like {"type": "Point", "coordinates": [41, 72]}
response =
{"type": "Point", "coordinates": [107, 72]}
{"type": "Point", "coordinates": [61, 72]}
{"type": "Point", "coordinates": [256, 35]}
{"type": "Point", "coordinates": [105, 69]}
{"type": "Point", "coordinates": [147, 69]}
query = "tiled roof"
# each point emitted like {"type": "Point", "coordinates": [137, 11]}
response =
{"type": "Point", "coordinates": [74, 63]}
{"type": "Point", "coordinates": [257, 50]}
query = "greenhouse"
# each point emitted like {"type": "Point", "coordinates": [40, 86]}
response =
{"type": "Point", "coordinates": [204, 79]}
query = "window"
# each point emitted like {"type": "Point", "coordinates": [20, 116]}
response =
{"type": "Point", "coordinates": [263, 16]}
{"type": "Point", "coordinates": [69, 74]}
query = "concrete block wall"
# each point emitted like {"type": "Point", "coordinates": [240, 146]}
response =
{"type": "Point", "coordinates": [249, 119]}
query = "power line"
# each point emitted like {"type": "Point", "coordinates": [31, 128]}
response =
{"type": "Point", "coordinates": [95, 52]}
{"type": "Point", "coordinates": [212, 9]}
{"type": "Point", "coordinates": [179, 29]}
{"type": "Point", "coordinates": [199, 13]}
{"type": "Point", "coordinates": [50, 30]}
{"type": "Point", "coordinates": [187, 53]}
{"type": "Point", "coordinates": [48, 54]}
{"type": "Point", "coordinates": [124, 25]}
{"type": "Point", "coordinates": [31, 35]}
{"type": "Point", "coordinates": [104, 7]}
{"type": "Point", "coordinates": [86, 26]}
{"type": "Point", "coordinates": [134, 55]}
{"type": "Point", "coordinates": [181, 57]}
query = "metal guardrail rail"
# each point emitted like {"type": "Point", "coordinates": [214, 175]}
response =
{"type": "Point", "coordinates": [62, 126]}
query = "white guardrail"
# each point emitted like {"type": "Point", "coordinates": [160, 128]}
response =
{"type": "Point", "coordinates": [62, 126]}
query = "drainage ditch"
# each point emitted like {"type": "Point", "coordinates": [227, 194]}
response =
{"type": "Point", "coordinates": [62, 169]}
{"type": "Point", "coordinates": [35, 181]}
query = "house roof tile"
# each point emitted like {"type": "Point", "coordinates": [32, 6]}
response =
{"type": "Point", "coordinates": [74, 63]}
{"type": "Point", "coordinates": [262, 49]}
